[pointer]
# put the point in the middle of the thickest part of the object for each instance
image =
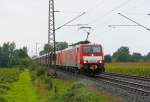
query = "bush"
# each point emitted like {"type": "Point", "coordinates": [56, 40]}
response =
{"type": "Point", "coordinates": [2, 99]}
{"type": "Point", "coordinates": [9, 75]}
{"type": "Point", "coordinates": [26, 62]}
{"type": "Point", "coordinates": [4, 89]}
{"type": "Point", "coordinates": [48, 81]}
{"type": "Point", "coordinates": [79, 93]}
{"type": "Point", "coordinates": [77, 86]}
{"type": "Point", "coordinates": [37, 71]}
{"type": "Point", "coordinates": [40, 72]}
{"type": "Point", "coordinates": [108, 58]}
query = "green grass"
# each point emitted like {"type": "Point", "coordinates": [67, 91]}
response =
{"type": "Point", "coordinates": [140, 69]}
{"type": "Point", "coordinates": [68, 91]}
{"type": "Point", "coordinates": [22, 90]}
{"type": "Point", "coordinates": [48, 95]}
{"type": "Point", "coordinates": [8, 75]}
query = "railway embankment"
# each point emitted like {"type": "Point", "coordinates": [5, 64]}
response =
{"type": "Point", "coordinates": [129, 88]}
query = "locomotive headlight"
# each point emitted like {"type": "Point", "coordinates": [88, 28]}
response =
{"type": "Point", "coordinates": [99, 61]}
{"type": "Point", "coordinates": [85, 61]}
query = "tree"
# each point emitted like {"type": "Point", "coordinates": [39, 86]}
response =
{"type": "Point", "coordinates": [108, 58]}
{"type": "Point", "coordinates": [46, 49]}
{"type": "Point", "coordinates": [148, 57]}
{"type": "Point", "coordinates": [59, 46]}
{"type": "Point", "coordinates": [7, 53]}
{"type": "Point", "coordinates": [137, 57]}
{"type": "Point", "coordinates": [12, 47]}
{"type": "Point", "coordinates": [122, 55]}
{"type": "Point", "coordinates": [0, 55]}
{"type": "Point", "coordinates": [10, 56]}
{"type": "Point", "coordinates": [19, 55]}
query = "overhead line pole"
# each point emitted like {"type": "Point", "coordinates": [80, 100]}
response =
{"type": "Point", "coordinates": [51, 36]}
{"type": "Point", "coordinates": [134, 21]}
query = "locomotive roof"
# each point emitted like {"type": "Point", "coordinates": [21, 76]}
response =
{"type": "Point", "coordinates": [78, 46]}
{"type": "Point", "coordinates": [69, 48]}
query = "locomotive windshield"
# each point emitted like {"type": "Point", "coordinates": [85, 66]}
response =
{"type": "Point", "coordinates": [92, 49]}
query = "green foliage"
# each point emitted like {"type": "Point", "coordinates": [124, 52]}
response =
{"type": "Point", "coordinates": [22, 90]}
{"type": "Point", "coordinates": [136, 57]}
{"type": "Point", "coordinates": [37, 71]}
{"type": "Point", "coordinates": [10, 56]}
{"type": "Point", "coordinates": [25, 62]}
{"type": "Point", "coordinates": [108, 58]}
{"type": "Point", "coordinates": [46, 49]}
{"type": "Point", "coordinates": [4, 88]}
{"type": "Point", "coordinates": [49, 83]}
{"type": "Point", "coordinates": [40, 72]}
{"type": "Point", "coordinates": [77, 86]}
{"type": "Point", "coordinates": [7, 53]}
{"type": "Point", "coordinates": [9, 75]}
{"type": "Point", "coordinates": [59, 46]}
{"type": "Point", "coordinates": [77, 93]}
{"type": "Point", "coordinates": [65, 91]}
{"type": "Point", "coordinates": [122, 55]}
{"type": "Point", "coordinates": [2, 99]}
{"type": "Point", "coordinates": [148, 57]}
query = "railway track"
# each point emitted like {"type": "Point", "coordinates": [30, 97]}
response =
{"type": "Point", "coordinates": [132, 84]}
{"type": "Point", "coordinates": [128, 76]}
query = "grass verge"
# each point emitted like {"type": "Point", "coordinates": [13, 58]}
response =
{"type": "Point", "coordinates": [68, 91]}
{"type": "Point", "coordinates": [22, 90]}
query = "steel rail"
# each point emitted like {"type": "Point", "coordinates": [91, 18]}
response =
{"type": "Point", "coordinates": [128, 88]}
{"type": "Point", "coordinates": [147, 79]}
{"type": "Point", "coordinates": [125, 82]}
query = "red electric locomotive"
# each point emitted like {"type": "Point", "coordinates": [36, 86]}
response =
{"type": "Point", "coordinates": [86, 58]}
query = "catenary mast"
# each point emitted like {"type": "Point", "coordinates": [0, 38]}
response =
{"type": "Point", "coordinates": [51, 36]}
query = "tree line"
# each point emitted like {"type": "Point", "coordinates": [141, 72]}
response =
{"type": "Point", "coordinates": [10, 56]}
{"type": "Point", "coordinates": [123, 55]}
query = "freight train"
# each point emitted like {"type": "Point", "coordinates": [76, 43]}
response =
{"type": "Point", "coordinates": [82, 58]}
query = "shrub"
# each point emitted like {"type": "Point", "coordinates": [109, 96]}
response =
{"type": "Point", "coordinates": [77, 86]}
{"type": "Point", "coordinates": [9, 75]}
{"type": "Point", "coordinates": [2, 99]}
{"type": "Point", "coordinates": [48, 81]}
{"type": "Point", "coordinates": [40, 72]}
{"type": "Point", "coordinates": [79, 93]}
{"type": "Point", "coordinates": [4, 89]}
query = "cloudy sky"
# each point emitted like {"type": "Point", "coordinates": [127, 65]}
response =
{"type": "Point", "coordinates": [26, 22]}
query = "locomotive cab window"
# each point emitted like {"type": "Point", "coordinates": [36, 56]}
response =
{"type": "Point", "coordinates": [92, 49]}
